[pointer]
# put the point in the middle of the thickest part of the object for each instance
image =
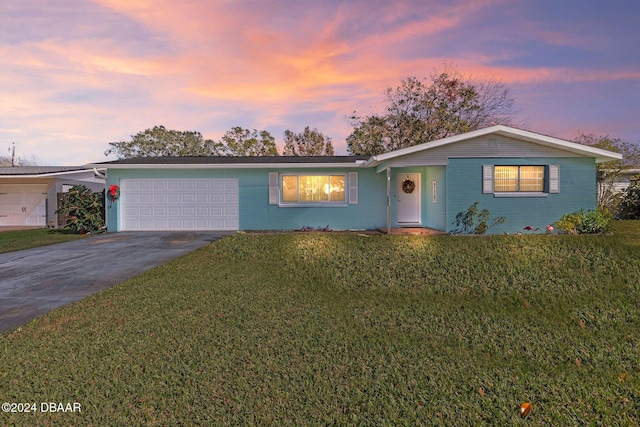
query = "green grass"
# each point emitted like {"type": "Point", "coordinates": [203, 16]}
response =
{"type": "Point", "coordinates": [24, 239]}
{"type": "Point", "coordinates": [335, 329]}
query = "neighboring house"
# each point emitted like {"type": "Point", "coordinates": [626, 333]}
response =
{"type": "Point", "coordinates": [529, 178]}
{"type": "Point", "coordinates": [624, 179]}
{"type": "Point", "coordinates": [29, 194]}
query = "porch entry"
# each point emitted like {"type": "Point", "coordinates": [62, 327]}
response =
{"type": "Point", "coordinates": [408, 199]}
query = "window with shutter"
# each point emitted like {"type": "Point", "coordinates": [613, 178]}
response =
{"type": "Point", "coordinates": [520, 181]}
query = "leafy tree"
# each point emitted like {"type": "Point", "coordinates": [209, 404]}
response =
{"type": "Point", "coordinates": [420, 111]}
{"type": "Point", "coordinates": [83, 208]}
{"type": "Point", "coordinates": [160, 141]}
{"type": "Point", "coordinates": [307, 143]}
{"type": "Point", "coordinates": [243, 142]}
{"type": "Point", "coordinates": [607, 173]}
{"type": "Point", "coordinates": [370, 136]}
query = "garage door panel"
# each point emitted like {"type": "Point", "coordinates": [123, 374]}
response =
{"type": "Point", "coordinates": [204, 185]}
{"type": "Point", "coordinates": [174, 211]}
{"type": "Point", "coordinates": [145, 211]}
{"type": "Point", "coordinates": [130, 185]}
{"type": "Point", "coordinates": [145, 184]}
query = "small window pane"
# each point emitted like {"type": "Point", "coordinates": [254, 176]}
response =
{"type": "Point", "coordinates": [532, 178]}
{"type": "Point", "coordinates": [314, 188]}
{"type": "Point", "coordinates": [289, 188]}
{"type": "Point", "coordinates": [505, 179]}
{"type": "Point", "coordinates": [337, 189]}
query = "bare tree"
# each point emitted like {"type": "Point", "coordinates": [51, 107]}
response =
{"type": "Point", "coordinates": [418, 111]}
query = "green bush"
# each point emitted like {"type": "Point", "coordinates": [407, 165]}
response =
{"type": "Point", "coordinates": [629, 206]}
{"type": "Point", "coordinates": [84, 209]}
{"type": "Point", "coordinates": [586, 222]}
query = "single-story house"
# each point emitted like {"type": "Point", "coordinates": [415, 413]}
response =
{"type": "Point", "coordinates": [29, 194]}
{"type": "Point", "coordinates": [528, 178]}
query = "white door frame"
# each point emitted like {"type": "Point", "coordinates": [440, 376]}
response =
{"type": "Point", "coordinates": [409, 205]}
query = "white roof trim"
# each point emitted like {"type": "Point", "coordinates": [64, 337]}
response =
{"type": "Point", "coordinates": [356, 164]}
{"type": "Point", "coordinates": [48, 174]}
{"type": "Point", "coordinates": [536, 138]}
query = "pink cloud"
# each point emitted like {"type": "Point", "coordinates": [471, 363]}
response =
{"type": "Point", "coordinates": [196, 63]}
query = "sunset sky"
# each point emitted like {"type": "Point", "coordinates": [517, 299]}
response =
{"type": "Point", "coordinates": [78, 74]}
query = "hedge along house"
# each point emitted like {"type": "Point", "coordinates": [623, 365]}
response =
{"type": "Point", "coordinates": [528, 178]}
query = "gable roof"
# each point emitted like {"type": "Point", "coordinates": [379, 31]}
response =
{"type": "Point", "coordinates": [523, 135]}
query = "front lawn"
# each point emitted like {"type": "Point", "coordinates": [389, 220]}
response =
{"type": "Point", "coordinates": [337, 329]}
{"type": "Point", "coordinates": [17, 240]}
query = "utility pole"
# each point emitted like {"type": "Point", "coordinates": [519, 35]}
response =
{"type": "Point", "coordinates": [13, 154]}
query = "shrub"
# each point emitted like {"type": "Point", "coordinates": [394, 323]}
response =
{"type": "Point", "coordinates": [586, 222]}
{"type": "Point", "coordinates": [84, 209]}
{"type": "Point", "coordinates": [466, 221]}
{"type": "Point", "coordinates": [629, 206]}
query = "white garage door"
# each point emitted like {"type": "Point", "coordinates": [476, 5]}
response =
{"type": "Point", "coordinates": [179, 204]}
{"type": "Point", "coordinates": [23, 204]}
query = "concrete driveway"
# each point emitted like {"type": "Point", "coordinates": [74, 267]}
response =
{"type": "Point", "coordinates": [35, 281]}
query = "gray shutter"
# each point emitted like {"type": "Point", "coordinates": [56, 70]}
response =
{"type": "Point", "coordinates": [554, 178]}
{"type": "Point", "coordinates": [487, 179]}
{"type": "Point", "coordinates": [353, 188]}
{"type": "Point", "coordinates": [273, 188]}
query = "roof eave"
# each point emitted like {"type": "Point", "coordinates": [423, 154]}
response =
{"type": "Point", "coordinates": [356, 164]}
{"type": "Point", "coordinates": [47, 174]}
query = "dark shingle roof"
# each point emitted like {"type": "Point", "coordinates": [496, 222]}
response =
{"type": "Point", "coordinates": [233, 160]}
{"type": "Point", "coordinates": [37, 170]}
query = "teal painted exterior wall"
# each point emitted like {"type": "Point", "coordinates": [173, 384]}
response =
{"type": "Point", "coordinates": [255, 212]}
{"type": "Point", "coordinates": [464, 187]}
{"type": "Point", "coordinates": [436, 212]}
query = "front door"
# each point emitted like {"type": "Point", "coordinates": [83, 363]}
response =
{"type": "Point", "coordinates": [408, 197]}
